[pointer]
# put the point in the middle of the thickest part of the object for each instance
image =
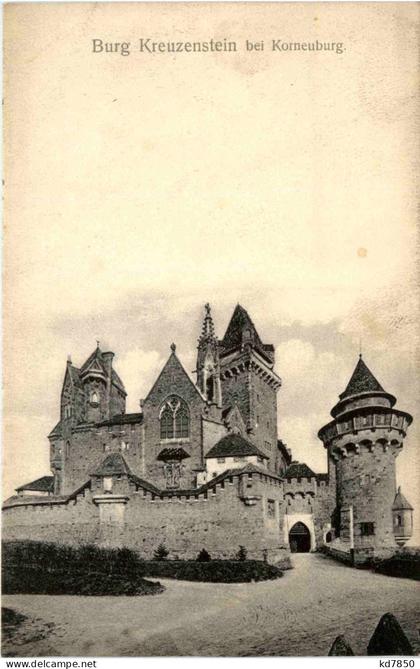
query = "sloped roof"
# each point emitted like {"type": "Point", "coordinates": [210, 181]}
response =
{"type": "Point", "coordinates": [144, 484]}
{"type": "Point", "coordinates": [233, 445]}
{"type": "Point", "coordinates": [96, 356]}
{"type": "Point", "coordinates": [114, 463]}
{"type": "Point", "coordinates": [174, 362]}
{"type": "Point", "coordinates": [298, 470]}
{"type": "Point", "coordinates": [43, 484]}
{"type": "Point", "coordinates": [361, 381]}
{"type": "Point", "coordinates": [173, 454]}
{"type": "Point", "coordinates": [116, 380]}
{"type": "Point", "coordinates": [285, 451]}
{"type": "Point", "coordinates": [56, 430]}
{"type": "Point", "coordinates": [96, 359]}
{"type": "Point", "coordinates": [74, 374]}
{"type": "Point", "coordinates": [122, 419]}
{"type": "Point", "coordinates": [401, 502]}
{"type": "Point", "coordinates": [238, 323]}
{"type": "Point", "coordinates": [226, 411]}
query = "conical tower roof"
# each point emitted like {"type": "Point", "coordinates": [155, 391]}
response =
{"type": "Point", "coordinates": [400, 502]}
{"type": "Point", "coordinates": [361, 381]}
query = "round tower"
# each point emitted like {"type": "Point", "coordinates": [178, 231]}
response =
{"type": "Point", "coordinates": [363, 441]}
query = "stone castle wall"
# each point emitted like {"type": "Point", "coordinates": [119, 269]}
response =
{"type": "Point", "coordinates": [246, 509]}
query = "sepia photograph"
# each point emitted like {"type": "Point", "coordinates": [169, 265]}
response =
{"type": "Point", "coordinates": [210, 330]}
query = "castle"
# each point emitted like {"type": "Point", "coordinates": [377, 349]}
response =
{"type": "Point", "coordinates": [201, 464]}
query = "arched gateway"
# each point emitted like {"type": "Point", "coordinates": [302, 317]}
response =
{"type": "Point", "coordinates": [300, 538]}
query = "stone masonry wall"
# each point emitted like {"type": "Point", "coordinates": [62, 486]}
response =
{"type": "Point", "coordinates": [212, 432]}
{"type": "Point", "coordinates": [366, 481]}
{"type": "Point", "coordinates": [86, 447]}
{"type": "Point", "coordinates": [264, 417]}
{"type": "Point", "coordinates": [173, 380]}
{"type": "Point", "coordinates": [219, 520]}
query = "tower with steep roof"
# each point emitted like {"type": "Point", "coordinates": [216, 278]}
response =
{"type": "Point", "coordinates": [90, 394]}
{"type": "Point", "coordinates": [363, 441]}
{"type": "Point", "coordinates": [208, 364]}
{"type": "Point", "coordinates": [249, 381]}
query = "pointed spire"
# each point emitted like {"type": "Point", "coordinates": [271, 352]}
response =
{"type": "Point", "coordinates": [207, 331]}
{"type": "Point", "coordinates": [362, 381]}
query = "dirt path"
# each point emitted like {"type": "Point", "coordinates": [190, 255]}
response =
{"type": "Point", "coordinates": [300, 614]}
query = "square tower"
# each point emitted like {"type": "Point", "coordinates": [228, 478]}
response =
{"type": "Point", "coordinates": [249, 381]}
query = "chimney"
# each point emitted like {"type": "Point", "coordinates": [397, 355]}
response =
{"type": "Point", "coordinates": [107, 360]}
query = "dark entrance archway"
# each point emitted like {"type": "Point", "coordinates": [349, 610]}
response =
{"type": "Point", "coordinates": [300, 538]}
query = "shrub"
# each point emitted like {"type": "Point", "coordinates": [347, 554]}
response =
{"type": "Point", "coordinates": [161, 552]}
{"type": "Point", "coordinates": [242, 553]}
{"type": "Point", "coordinates": [215, 571]}
{"type": "Point", "coordinates": [46, 568]}
{"type": "Point", "coordinates": [36, 582]}
{"type": "Point", "coordinates": [400, 565]}
{"type": "Point", "coordinates": [203, 556]}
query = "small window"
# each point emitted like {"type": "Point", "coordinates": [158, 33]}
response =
{"type": "Point", "coordinates": [107, 483]}
{"type": "Point", "coordinates": [94, 397]}
{"type": "Point", "coordinates": [398, 521]}
{"type": "Point", "coordinates": [271, 509]}
{"type": "Point", "coordinates": [239, 458]}
{"type": "Point", "coordinates": [367, 529]}
{"type": "Point", "coordinates": [221, 459]}
{"type": "Point", "coordinates": [214, 474]}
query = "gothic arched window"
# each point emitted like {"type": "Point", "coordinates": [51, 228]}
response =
{"type": "Point", "coordinates": [174, 419]}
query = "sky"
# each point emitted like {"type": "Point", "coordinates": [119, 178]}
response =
{"type": "Point", "coordinates": [139, 188]}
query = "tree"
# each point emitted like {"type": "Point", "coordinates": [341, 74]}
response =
{"type": "Point", "coordinates": [203, 556]}
{"type": "Point", "coordinates": [161, 552]}
{"type": "Point", "coordinates": [242, 553]}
